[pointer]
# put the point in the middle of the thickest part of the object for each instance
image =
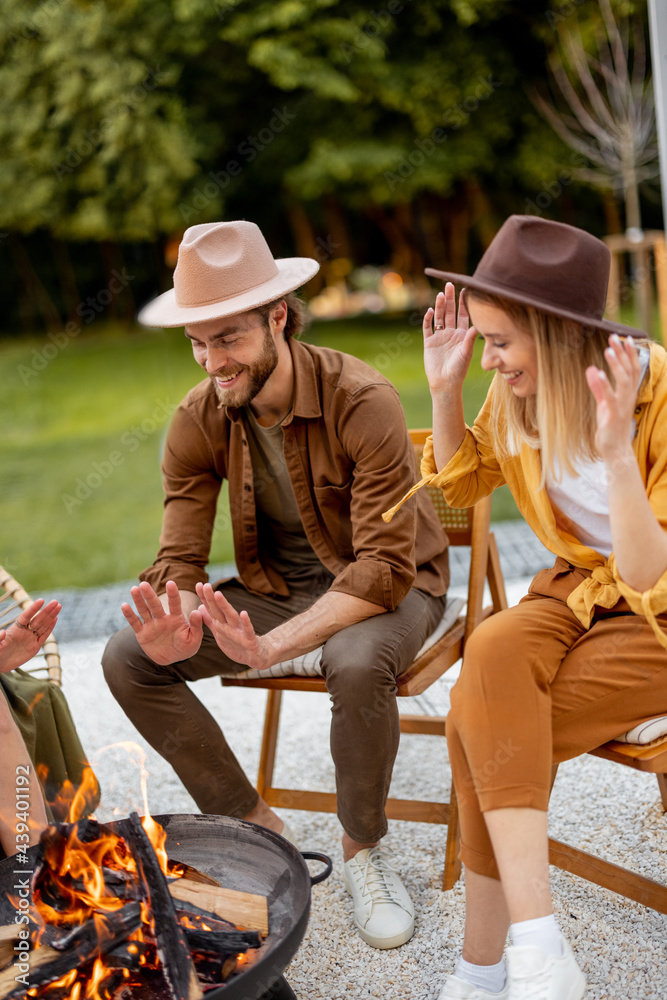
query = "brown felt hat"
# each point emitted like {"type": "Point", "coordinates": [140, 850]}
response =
{"type": "Point", "coordinates": [549, 265]}
{"type": "Point", "coordinates": [225, 268]}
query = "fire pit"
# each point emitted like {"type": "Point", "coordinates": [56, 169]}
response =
{"type": "Point", "coordinates": [239, 856]}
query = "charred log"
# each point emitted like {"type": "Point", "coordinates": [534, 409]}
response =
{"type": "Point", "coordinates": [120, 924]}
{"type": "Point", "coordinates": [46, 964]}
{"type": "Point", "coordinates": [179, 970]}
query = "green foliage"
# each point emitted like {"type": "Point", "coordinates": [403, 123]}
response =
{"type": "Point", "coordinates": [121, 120]}
{"type": "Point", "coordinates": [94, 132]}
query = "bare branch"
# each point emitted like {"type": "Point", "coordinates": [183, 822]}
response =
{"type": "Point", "coordinates": [620, 58]}
{"type": "Point", "coordinates": [610, 116]}
{"type": "Point", "coordinates": [579, 60]}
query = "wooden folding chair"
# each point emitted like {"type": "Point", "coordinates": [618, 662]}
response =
{"type": "Point", "coordinates": [14, 600]}
{"type": "Point", "coordinates": [651, 758]}
{"type": "Point", "coordinates": [468, 527]}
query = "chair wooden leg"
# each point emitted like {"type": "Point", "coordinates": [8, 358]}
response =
{"type": "Point", "coordinates": [662, 785]}
{"type": "Point", "coordinates": [494, 575]}
{"type": "Point", "coordinates": [267, 756]}
{"type": "Point", "coordinates": [452, 861]}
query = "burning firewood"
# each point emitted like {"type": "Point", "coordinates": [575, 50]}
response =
{"type": "Point", "coordinates": [106, 921]}
{"type": "Point", "coordinates": [192, 874]}
{"type": "Point", "coordinates": [94, 938]}
{"type": "Point", "coordinates": [177, 964]}
{"type": "Point", "coordinates": [245, 909]}
{"type": "Point", "coordinates": [120, 925]}
{"type": "Point", "coordinates": [9, 935]}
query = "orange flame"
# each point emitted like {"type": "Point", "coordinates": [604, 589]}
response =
{"type": "Point", "coordinates": [76, 873]}
{"type": "Point", "coordinates": [98, 975]}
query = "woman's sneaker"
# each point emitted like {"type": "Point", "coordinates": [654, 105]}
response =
{"type": "Point", "coordinates": [458, 989]}
{"type": "Point", "coordinates": [534, 975]}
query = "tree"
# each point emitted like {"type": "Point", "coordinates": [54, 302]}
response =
{"type": "Point", "coordinates": [95, 137]}
{"type": "Point", "coordinates": [609, 95]}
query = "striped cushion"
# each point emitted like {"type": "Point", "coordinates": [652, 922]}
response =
{"type": "Point", "coordinates": [645, 732]}
{"type": "Point", "coordinates": [310, 664]}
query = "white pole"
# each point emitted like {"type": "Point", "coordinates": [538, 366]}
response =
{"type": "Point", "coordinates": [658, 23]}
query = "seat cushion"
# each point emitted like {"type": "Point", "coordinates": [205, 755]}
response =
{"type": "Point", "coordinates": [645, 732]}
{"type": "Point", "coordinates": [310, 664]}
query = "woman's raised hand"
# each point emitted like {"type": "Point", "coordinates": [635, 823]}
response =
{"type": "Point", "coordinates": [448, 341]}
{"type": "Point", "coordinates": [615, 403]}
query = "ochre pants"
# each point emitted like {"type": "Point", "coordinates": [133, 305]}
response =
{"type": "Point", "coordinates": [360, 665]}
{"type": "Point", "coordinates": [537, 688]}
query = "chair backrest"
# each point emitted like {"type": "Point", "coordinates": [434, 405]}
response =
{"type": "Point", "coordinates": [13, 600]}
{"type": "Point", "coordinates": [467, 526]}
{"type": "Point", "coordinates": [457, 523]}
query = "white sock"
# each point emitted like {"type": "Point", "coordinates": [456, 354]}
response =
{"type": "Point", "coordinates": [543, 932]}
{"type": "Point", "coordinates": [488, 977]}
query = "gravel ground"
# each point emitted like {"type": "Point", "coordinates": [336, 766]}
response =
{"type": "Point", "coordinates": [596, 804]}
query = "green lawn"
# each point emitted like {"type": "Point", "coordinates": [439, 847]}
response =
{"type": "Point", "coordinates": [84, 427]}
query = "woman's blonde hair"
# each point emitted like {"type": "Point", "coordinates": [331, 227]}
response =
{"type": "Point", "coordinates": [560, 418]}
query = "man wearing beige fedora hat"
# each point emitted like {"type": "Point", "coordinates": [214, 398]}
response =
{"type": "Point", "coordinates": [311, 442]}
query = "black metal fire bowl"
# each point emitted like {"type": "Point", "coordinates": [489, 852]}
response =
{"type": "Point", "coordinates": [239, 855]}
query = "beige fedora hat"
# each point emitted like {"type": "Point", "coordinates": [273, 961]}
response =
{"type": "Point", "coordinates": [224, 268]}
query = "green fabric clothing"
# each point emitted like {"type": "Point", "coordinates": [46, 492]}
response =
{"type": "Point", "coordinates": [42, 714]}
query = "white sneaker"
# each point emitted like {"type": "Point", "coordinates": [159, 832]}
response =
{"type": "Point", "coordinates": [534, 975]}
{"type": "Point", "coordinates": [383, 910]}
{"type": "Point", "coordinates": [458, 989]}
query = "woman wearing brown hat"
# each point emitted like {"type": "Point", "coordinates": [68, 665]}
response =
{"type": "Point", "coordinates": [575, 422]}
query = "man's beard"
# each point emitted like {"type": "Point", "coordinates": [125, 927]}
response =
{"type": "Point", "coordinates": [257, 375]}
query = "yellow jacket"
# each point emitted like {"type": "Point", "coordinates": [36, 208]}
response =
{"type": "Point", "coordinates": [475, 471]}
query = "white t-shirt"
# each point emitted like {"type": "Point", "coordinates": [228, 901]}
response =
{"type": "Point", "coordinates": [583, 499]}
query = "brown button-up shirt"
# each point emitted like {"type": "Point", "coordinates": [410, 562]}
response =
{"type": "Point", "coordinates": [349, 456]}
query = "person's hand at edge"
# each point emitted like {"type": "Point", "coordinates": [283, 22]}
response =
{"type": "Point", "coordinates": [24, 638]}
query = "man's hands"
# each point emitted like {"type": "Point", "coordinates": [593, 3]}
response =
{"type": "Point", "coordinates": [166, 635]}
{"type": "Point", "coordinates": [26, 636]}
{"type": "Point", "coordinates": [447, 348]}
{"type": "Point", "coordinates": [232, 630]}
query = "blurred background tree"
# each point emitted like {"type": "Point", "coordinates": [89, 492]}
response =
{"type": "Point", "coordinates": [606, 110]}
{"type": "Point", "coordinates": [400, 136]}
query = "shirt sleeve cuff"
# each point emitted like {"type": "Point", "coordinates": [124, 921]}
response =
{"type": "Point", "coordinates": [649, 603]}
